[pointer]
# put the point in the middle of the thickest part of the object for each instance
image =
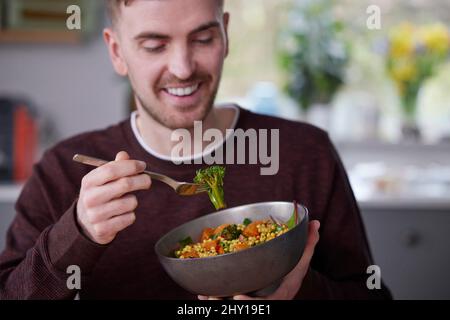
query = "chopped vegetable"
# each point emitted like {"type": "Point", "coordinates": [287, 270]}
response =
{"type": "Point", "coordinates": [212, 179]}
{"type": "Point", "coordinates": [293, 220]}
{"type": "Point", "coordinates": [228, 238]}
{"type": "Point", "coordinates": [187, 241]}
{"type": "Point", "coordinates": [206, 234]}
{"type": "Point", "coordinates": [246, 222]}
{"type": "Point", "coordinates": [231, 232]}
{"type": "Point", "coordinates": [252, 229]}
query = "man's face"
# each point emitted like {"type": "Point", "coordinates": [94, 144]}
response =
{"type": "Point", "coordinates": [173, 53]}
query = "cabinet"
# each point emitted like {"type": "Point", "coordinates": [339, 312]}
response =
{"type": "Point", "coordinates": [403, 195]}
{"type": "Point", "coordinates": [412, 248]}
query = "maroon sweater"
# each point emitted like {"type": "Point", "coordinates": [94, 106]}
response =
{"type": "Point", "coordinates": [44, 238]}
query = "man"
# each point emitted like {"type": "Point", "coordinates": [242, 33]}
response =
{"type": "Point", "coordinates": [106, 220]}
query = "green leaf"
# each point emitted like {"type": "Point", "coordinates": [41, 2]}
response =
{"type": "Point", "coordinates": [184, 242]}
{"type": "Point", "coordinates": [292, 222]}
{"type": "Point", "coordinates": [246, 222]}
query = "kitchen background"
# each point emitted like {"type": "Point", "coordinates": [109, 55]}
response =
{"type": "Point", "coordinates": [379, 84]}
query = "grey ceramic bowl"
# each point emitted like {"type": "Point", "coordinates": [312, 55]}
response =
{"type": "Point", "coordinates": [255, 271]}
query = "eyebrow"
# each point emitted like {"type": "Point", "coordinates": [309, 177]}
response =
{"type": "Point", "coordinates": [160, 36]}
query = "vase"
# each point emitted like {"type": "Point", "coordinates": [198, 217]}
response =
{"type": "Point", "coordinates": [409, 128]}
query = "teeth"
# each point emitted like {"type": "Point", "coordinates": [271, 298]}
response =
{"type": "Point", "coordinates": [182, 92]}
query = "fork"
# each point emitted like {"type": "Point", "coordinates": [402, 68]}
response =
{"type": "Point", "coordinates": [182, 188]}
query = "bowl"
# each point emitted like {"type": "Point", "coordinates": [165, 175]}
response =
{"type": "Point", "coordinates": [255, 271]}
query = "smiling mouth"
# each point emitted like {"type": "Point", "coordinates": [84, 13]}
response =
{"type": "Point", "coordinates": [183, 92]}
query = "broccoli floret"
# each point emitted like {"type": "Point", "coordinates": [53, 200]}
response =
{"type": "Point", "coordinates": [212, 178]}
{"type": "Point", "coordinates": [231, 232]}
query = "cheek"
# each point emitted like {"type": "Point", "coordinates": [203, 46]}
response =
{"type": "Point", "coordinates": [144, 75]}
{"type": "Point", "coordinates": [212, 61]}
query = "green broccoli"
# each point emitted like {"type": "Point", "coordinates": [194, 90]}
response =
{"type": "Point", "coordinates": [231, 232]}
{"type": "Point", "coordinates": [212, 178]}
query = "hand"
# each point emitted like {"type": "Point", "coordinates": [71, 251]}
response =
{"type": "Point", "coordinates": [105, 206]}
{"type": "Point", "coordinates": [293, 281]}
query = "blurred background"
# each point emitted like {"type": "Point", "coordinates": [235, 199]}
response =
{"type": "Point", "coordinates": [374, 74]}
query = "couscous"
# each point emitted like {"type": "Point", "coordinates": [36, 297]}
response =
{"type": "Point", "coordinates": [228, 238]}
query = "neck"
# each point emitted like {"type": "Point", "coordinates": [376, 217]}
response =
{"type": "Point", "coordinates": [159, 137]}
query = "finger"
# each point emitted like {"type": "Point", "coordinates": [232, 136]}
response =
{"type": "Point", "coordinates": [114, 225]}
{"type": "Point", "coordinates": [308, 252]}
{"type": "Point", "coordinates": [313, 238]}
{"type": "Point", "coordinates": [127, 203]}
{"type": "Point", "coordinates": [200, 297]}
{"type": "Point", "coordinates": [113, 170]}
{"type": "Point", "coordinates": [118, 188]}
{"type": "Point", "coordinates": [122, 155]}
{"type": "Point", "coordinates": [244, 297]}
{"type": "Point", "coordinates": [291, 283]}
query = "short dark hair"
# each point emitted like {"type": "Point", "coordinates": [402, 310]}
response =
{"type": "Point", "coordinates": [113, 8]}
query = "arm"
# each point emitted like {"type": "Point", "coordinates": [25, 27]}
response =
{"type": "Point", "coordinates": [39, 246]}
{"type": "Point", "coordinates": [42, 243]}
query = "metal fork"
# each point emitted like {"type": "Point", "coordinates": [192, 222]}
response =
{"type": "Point", "coordinates": [182, 188]}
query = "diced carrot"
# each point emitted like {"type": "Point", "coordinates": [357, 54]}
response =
{"type": "Point", "coordinates": [220, 228]}
{"type": "Point", "coordinates": [206, 234]}
{"type": "Point", "coordinates": [251, 230]}
{"type": "Point", "coordinates": [240, 246]}
{"type": "Point", "coordinates": [219, 249]}
{"type": "Point", "coordinates": [209, 244]}
{"type": "Point", "coordinates": [190, 254]}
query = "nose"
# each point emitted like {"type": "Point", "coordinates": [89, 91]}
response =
{"type": "Point", "coordinates": [181, 63]}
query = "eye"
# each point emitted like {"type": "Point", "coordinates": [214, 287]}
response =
{"type": "Point", "coordinates": [154, 49]}
{"type": "Point", "coordinates": [204, 37]}
{"type": "Point", "coordinates": [204, 40]}
{"type": "Point", "coordinates": [153, 45]}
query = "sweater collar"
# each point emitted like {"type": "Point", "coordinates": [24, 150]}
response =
{"type": "Point", "coordinates": [193, 157]}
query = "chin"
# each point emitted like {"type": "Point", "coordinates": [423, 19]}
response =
{"type": "Point", "coordinates": [184, 119]}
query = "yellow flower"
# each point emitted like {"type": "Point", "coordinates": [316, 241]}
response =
{"type": "Point", "coordinates": [402, 40]}
{"type": "Point", "coordinates": [435, 37]}
{"type": "Point", "coordinates": [403, 70]}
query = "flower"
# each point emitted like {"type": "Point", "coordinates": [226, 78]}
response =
{"type": "Point", "coordinates": [404, 69]}
{"type": "Point", "coordinates": [402, 40]}
{"type": "Point", "coordinates": [414, 54]}
{"type": "Point", "coordinates": [436, 38]}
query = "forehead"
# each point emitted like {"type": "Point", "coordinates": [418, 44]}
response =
{"type": "Point", "coordinates": [168, 16]}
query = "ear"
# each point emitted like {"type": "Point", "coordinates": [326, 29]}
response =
{"type": "Point", "coordinates": [226, 19]}
{"type": "Point", "coordinates": [115, 53]}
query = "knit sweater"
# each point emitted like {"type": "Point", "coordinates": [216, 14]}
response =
{"type": "Point", "coordinates": [44, 238]}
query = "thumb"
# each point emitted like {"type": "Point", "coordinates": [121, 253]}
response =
{"type": "Point", "coordinates": [313, 238]}
{"type": "Point", "coordinates": [122, 155]}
